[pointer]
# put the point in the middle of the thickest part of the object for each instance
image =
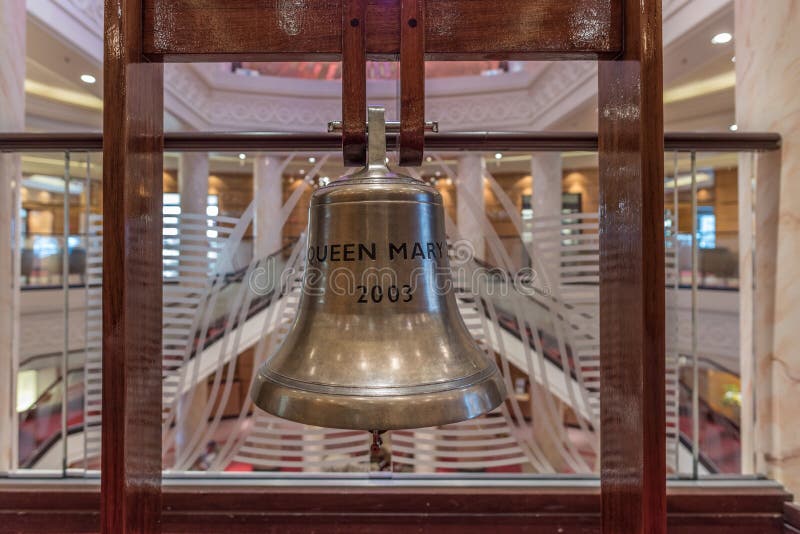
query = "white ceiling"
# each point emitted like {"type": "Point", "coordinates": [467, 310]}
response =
{"type": "Point", "coordinates": [54, 61]}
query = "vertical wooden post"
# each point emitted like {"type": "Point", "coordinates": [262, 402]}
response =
{"type": "Point", "coordinates": [354, 82]}
{"type": "Point", "coordinates": [412, 82]}
{"type": "Point", "coordinates": [631, 146]}
{"type": "Point", "coordinates": [132, 198]}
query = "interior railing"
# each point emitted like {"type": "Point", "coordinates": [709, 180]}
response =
{"type": "Point", "coordinates": [708, 425]}
{"type": "Point", "coordinates": [39, 425]}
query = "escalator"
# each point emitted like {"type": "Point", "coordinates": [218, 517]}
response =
{"type": "Point", "coordinates": [41, 425]}
{"type": "Point", "coordinates": [719, 439]}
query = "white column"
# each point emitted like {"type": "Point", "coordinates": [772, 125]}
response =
{"type": "Point", "coordinates": [268, 195]}
{"type": "Point", "coordinates": [193, 182]}
{"type": "Point", "coordinates": [193, 188]}
{"type": "Point", "coordinates": [767, 77]}
{"type": "Point", "coordinates": [12, 119]}
{"type": "Point", "coordinates": [469, 197]}
{"type": "Point", "coordinates": [547, 177]}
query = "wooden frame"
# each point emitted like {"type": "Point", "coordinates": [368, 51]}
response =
{"type": "Point", "coordinates": [411, 142]}
{"type": "Point", "coordinates": [141, 33]}
{"type": "Point", "coordinates": [188, 30]}
{"type": "Point", "coordinates": [632, 299]}
{"type": "Point", "coordinates": [354, 82]}
{"type": "Point", "coordinates": [253, 508]}
{"type": "Point", "coordinates": [444, 142]}
{"type": "Point", "coordinates": [132, 197]}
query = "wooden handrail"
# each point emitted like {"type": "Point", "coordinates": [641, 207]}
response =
{"type": "Point", "coordinates": [791, 517]}
{"type": "Point", "coordinates": [444, 142]}
{"type": "Point", "coordinates": [59, 506]}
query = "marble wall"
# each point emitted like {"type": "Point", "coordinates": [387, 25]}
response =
{"type": "Point", "coordinates": [12, 119]}
{"type": "Point", "coordinates": [767, 81]}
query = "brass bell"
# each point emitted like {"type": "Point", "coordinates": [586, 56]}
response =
{"type": "Point", "coordinates": [378, 342]}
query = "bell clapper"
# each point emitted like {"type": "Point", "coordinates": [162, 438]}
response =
{"type": "Point", "coordinates": [375, 448]}
{"type": "Point", "coordinates": [379, 457]}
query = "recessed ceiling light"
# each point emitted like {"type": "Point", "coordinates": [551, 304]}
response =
{"type": "Point", "coordinates": [312, 159]}
{"type": "Point", "coordinates": [88, 78]}
{"type": "Point", "coordinates": [242, 156]}
{"type": "Point", "coordinates": [733, 127]}
{"type": "Point", "coordinates": [302, 171]}
{"type": "Point", "coordinates": [722, 38]}
{"type": "Point", "coordinates": [498, 156]}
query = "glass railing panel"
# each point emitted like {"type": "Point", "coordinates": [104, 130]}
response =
{"type": "Point", "coordinates": [228, 304]}
{"type": "Point", "coordinates": [701, 197]}
{"type": "Point", "coordinates": [58, 192]}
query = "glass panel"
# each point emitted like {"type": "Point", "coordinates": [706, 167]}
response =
{"type": "Point", "coordinates": [528, 291]}
{"type": "Point", "coordinates": [711, 420]}
{"type": "Point", "coordinates": [58, 193]}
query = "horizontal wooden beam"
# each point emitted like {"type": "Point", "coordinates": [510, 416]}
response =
{"type": "Point", "coordinates": [478, 141]}
{"type": "Point", "coordinates": [252, 508]}
{"type": "Point", "coordinates": [282, 30]}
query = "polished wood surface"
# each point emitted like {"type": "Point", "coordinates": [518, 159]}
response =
{"type": "Point", "coordinates": [791, 516]}
{"type": "Point", "coordinates": [354, 83]}
{"type": "Point", "coordinates": [132, 265]}
{"type": "Point", "coordinates": [255, 508]}
{"type": "Point", "coordinates": [632, 315]}
{"type": "Point", "coordinates": [225, 30]}
{"type": "Point", "coordinates": [412, 83]}
{"type": "Point", "coordinates": [477, 141]}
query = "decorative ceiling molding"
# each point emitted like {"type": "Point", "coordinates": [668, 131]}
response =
{"type": "Point", "coordinates": [669, 7]}
{"type": "Point", "coordinates": [210, 97]}
{"type": "Point", "coordinates": [206, 97]}
{"type": "Point", "coordinates": [78, 22]}
{"type": "Point", "coordinates": [92, 11]}
{"type": "Point", "coordinates": [186, 96]}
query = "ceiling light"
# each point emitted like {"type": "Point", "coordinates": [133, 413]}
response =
{"type": "Point", "coordinates": [67, 96]}
{"type": "Point", "coordinates": [684, 181]}
{"type": "Point", "coordinates": [312, 159]}
{"type": "Point", "coordinates": [242, 156]}
{"type": "Point", "coordinates": [88, 78]}
{"type": "Point", "coordinates": [498, 156]}
{"type": "Point", "coordinates": [733, 127]}
{"type": "Point", "coordinates": [733, 59]}
{"type": "Point", "coordinates": [722, 38]}
{"type": "Point", "coordinates": [302, 171]}
{"type": "Point", "coordinates": [720, 82]}
{"type": "Point", "coordinates": [51, 184]}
